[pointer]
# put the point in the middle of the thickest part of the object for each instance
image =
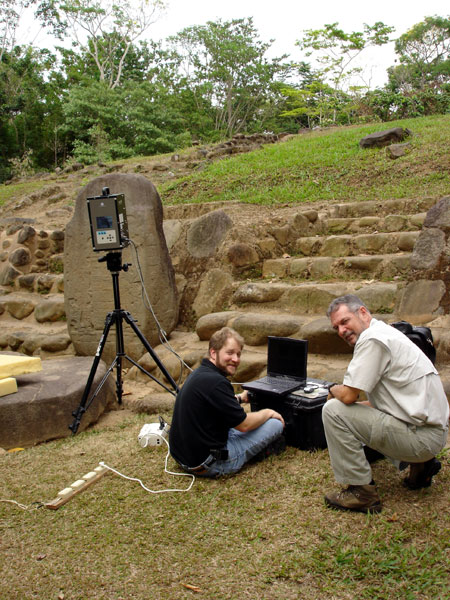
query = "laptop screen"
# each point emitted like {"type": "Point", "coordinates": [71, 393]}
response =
{"type": "Point", "coordinates": [287, 356]}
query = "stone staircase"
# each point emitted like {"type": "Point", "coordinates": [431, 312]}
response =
{"type": "Point", "coordinates": [277, 271]}
{"type": "Point", "coordinates": [361, 248]}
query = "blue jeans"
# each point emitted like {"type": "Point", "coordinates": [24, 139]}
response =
{"type": "Point", "coordinates": [244, 446]}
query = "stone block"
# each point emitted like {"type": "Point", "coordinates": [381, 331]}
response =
{"type": "Point", "coordinates": [395, 222]}
{"type": "Point", "coordinates": [50, 310]}
{"type": "Point", "coordinates": [41, 410]}
{"type": "Point", "coordinates": [321, 267]}
{"type": "Point", "coordinates": [372, 242]}
{"type": "Point", "coordinates": [421, 300]}
{"type": "Point", "coordinates": [363, 263]}
{"type": "Point", "coordinates": [258, 293]}
{"type": "Point", "coordinates": [299, 267]}
{"type": "Point", "coordinates": [336, 245]}
{"type": "Point", "coordinates": [255, 328]}
{"type": "Point", "coordinates": [406, 240]}
{"type": "Point", "coordinates": [308, 246]}
{"type": "Point", "coordinates": [428, 248]}
{"type": "Point", "coordinates": [275, 267]}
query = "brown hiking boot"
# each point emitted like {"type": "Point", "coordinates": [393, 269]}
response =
{"type": "Point", "coordinates": [360, 498]}
{"type": "Point", "coordinates": [421, 474]}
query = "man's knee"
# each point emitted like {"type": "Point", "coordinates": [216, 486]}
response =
{"type": "Point", "coordinates": [331, 408]}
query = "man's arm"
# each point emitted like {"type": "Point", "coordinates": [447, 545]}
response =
{"type": "Point", "coordinates": [344, 393]}
{"type": "Point", "coordinates": [254, 420]}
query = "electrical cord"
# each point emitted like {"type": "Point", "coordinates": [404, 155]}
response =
{"type": "Point", "coordinates": [32, 506]}
{"type": "Point", "coordinates": [102, 464]}
{"type": "Point", "coordinates": [148, 305]}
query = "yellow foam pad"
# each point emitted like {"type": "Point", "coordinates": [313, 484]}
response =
{"type": "Point", "coordinates": [11, 365]}
{"type": "Point", "coordinates": [8, 386]}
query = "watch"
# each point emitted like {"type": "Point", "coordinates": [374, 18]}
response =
{"type": "Point", "coordinates": [329, 386]}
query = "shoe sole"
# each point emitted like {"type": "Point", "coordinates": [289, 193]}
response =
{"type": "Point", "coordinates": [426, 478]}
{"type": "Point", "coordinates": [375, 508]}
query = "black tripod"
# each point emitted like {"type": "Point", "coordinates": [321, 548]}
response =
{"type": "Point", "coordinates": [114, 264]}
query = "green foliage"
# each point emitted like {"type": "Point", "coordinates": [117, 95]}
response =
{"type": "Point", "coordinates": [388, 105]}
{"type": "Point", "coordinates": [228, 66]}
{"type": "Point", "coordinates": [424, 52]}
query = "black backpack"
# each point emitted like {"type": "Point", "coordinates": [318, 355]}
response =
{"type": "Point", "coordinates": [420, 335]}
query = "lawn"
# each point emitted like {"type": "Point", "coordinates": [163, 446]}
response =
{"type": "Point", "coordinates": [263, 534]}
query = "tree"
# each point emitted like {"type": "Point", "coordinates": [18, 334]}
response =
{"type": "Point", "coordinates": [337, 51]}
{"type": "Point", "coordinates": [225, 66]}
{"type": "Point", "coordinates": [106, 30]}
{"type": "Point", "coordinates": [424, 53]}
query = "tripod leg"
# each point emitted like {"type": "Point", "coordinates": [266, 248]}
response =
{"type": "Point", "coordinates": [129, 319]}
{"type": "Point", "coordinates": [110, 318]}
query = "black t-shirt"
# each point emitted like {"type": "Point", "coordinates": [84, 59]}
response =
{"type": "Point", "coordinates": [205, 410]}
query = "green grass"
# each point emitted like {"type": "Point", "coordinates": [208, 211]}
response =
{"type": "Point", "coordinates": [11, 191]}
{"type": "Point", "coordinates": [263, 534]}
{"type": "Point", "coordinates": [327, 165]}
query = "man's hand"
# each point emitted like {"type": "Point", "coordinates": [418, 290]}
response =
{"type": "Point", "coordinates": [243, 397]}
{"type": "Point", "coordinates": [256, 419]}
{"type": "Point", "coordinates": [344, 393]}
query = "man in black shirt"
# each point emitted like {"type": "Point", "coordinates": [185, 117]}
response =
{"type": "Point", "coordinates": [211, 434]}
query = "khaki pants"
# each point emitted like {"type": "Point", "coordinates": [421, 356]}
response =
{"type": "Point", "coordinates": [349, 426]}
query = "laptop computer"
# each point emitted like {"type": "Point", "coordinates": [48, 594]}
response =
{"type": "Point", "coordinates": [286, 367]}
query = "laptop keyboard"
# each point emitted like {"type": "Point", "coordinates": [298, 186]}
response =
{"type": "Point", "coordinates": [279, 382]}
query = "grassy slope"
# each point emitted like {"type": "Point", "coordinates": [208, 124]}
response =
{"type": "Point", "coordinates": [327, 166]}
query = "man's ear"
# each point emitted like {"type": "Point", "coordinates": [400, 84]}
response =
{"type": "Point", "coordinates": [212, 355]}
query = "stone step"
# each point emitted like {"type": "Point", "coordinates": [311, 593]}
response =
{"type": "Point", "coordinates": [312, 298]}
{"type": "Point", "coordinates": [373, 223]}
{"type": "Point", "coordinates": [357, 244]}
{"type": "Point", "coordinates": [380, 207]}
{"type": "Point", "coordinates": [32, 307]}
{"type": "Point", "coordinates": [317, 267]}
{"type": "Point", "coordinates": [46, 340]}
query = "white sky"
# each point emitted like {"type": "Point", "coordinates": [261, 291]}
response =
{"type": "Point", "coordinates": [284, 21]}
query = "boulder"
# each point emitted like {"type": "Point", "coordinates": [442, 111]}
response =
{"type": "Point", "coordinates": [214, 291]}
{"type": "Point", "coordinates": [41, 409]}
{"type": "Point", "coordinates": [322, 339]}
{"type": "Point", "coordinates": [205, 233]}
{"type": "Point", "coordinates": [208, 324]}
{"type": "Point", "coordinates": [88, 287]}
{"type": "Point", "coordinates": [50, 310]}
{"type": "Point", "coordinates": [384, 138]}
{"type": "Point", "coordinates": [255, 328]}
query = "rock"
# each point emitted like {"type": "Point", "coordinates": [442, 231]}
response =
{"type": "Point", "coordinates": [57, 235]}
{"type": "Point", "coordinates": [209, 324]}
{"type": "Point", "coordinates": [86, 312]}
{"type": "Point", "coordinates": [20, 257]}
{"type": "Point", "coordinates": [50, 310]}
{"type": "Point", "coordinates": [421, 300]}
{"type": "Point", "coordinates": [258, 293]}
{"type": "Point", "coordinates": [55, 343]}
{"type": "Point", "coordinates": [172, 231]}
{"type": "Point", "coordinates": [322, 339]}
{"type": "Point", "coordinates": [439, 215]}
{"type": "Point", "coordinates": [152, 403]}
{"type": "Point", "coordinates": [8, 275]}
{"type": "Point", "coordinates": [41, 409]}
{"type": "Point", "coordinates": [395, 151]}
{"type": "Point", "coordinates": [18, 307]}
{"type": "Point", "coordinates": [255, 328]}
{"type": "Point", "coordinates": [205, 233]}
{"type": "Point", "coordinates": [242, 255]}
{"type": "Point", "coordinates": [26, 234]}
{"type": "Point", "coordinates": [215, 289]}
{"type": "Point", "coordinates": [428, 248]}
{"type": "Point", "coordinates": [384, 138]}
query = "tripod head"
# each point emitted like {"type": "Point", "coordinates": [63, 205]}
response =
{"type": "Point", "coordinates": [114, 262]}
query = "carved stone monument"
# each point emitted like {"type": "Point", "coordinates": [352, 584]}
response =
{"type": "Point", "coordinates": [88, 284]}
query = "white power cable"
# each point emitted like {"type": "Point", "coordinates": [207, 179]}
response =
{"type": "Point", "coordinates": [162, 334]}
{"type": "Point", "coordinates": [102, 464]}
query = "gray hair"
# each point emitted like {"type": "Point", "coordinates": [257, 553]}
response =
{"type": "Point", "coordinates": [350, 300]}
